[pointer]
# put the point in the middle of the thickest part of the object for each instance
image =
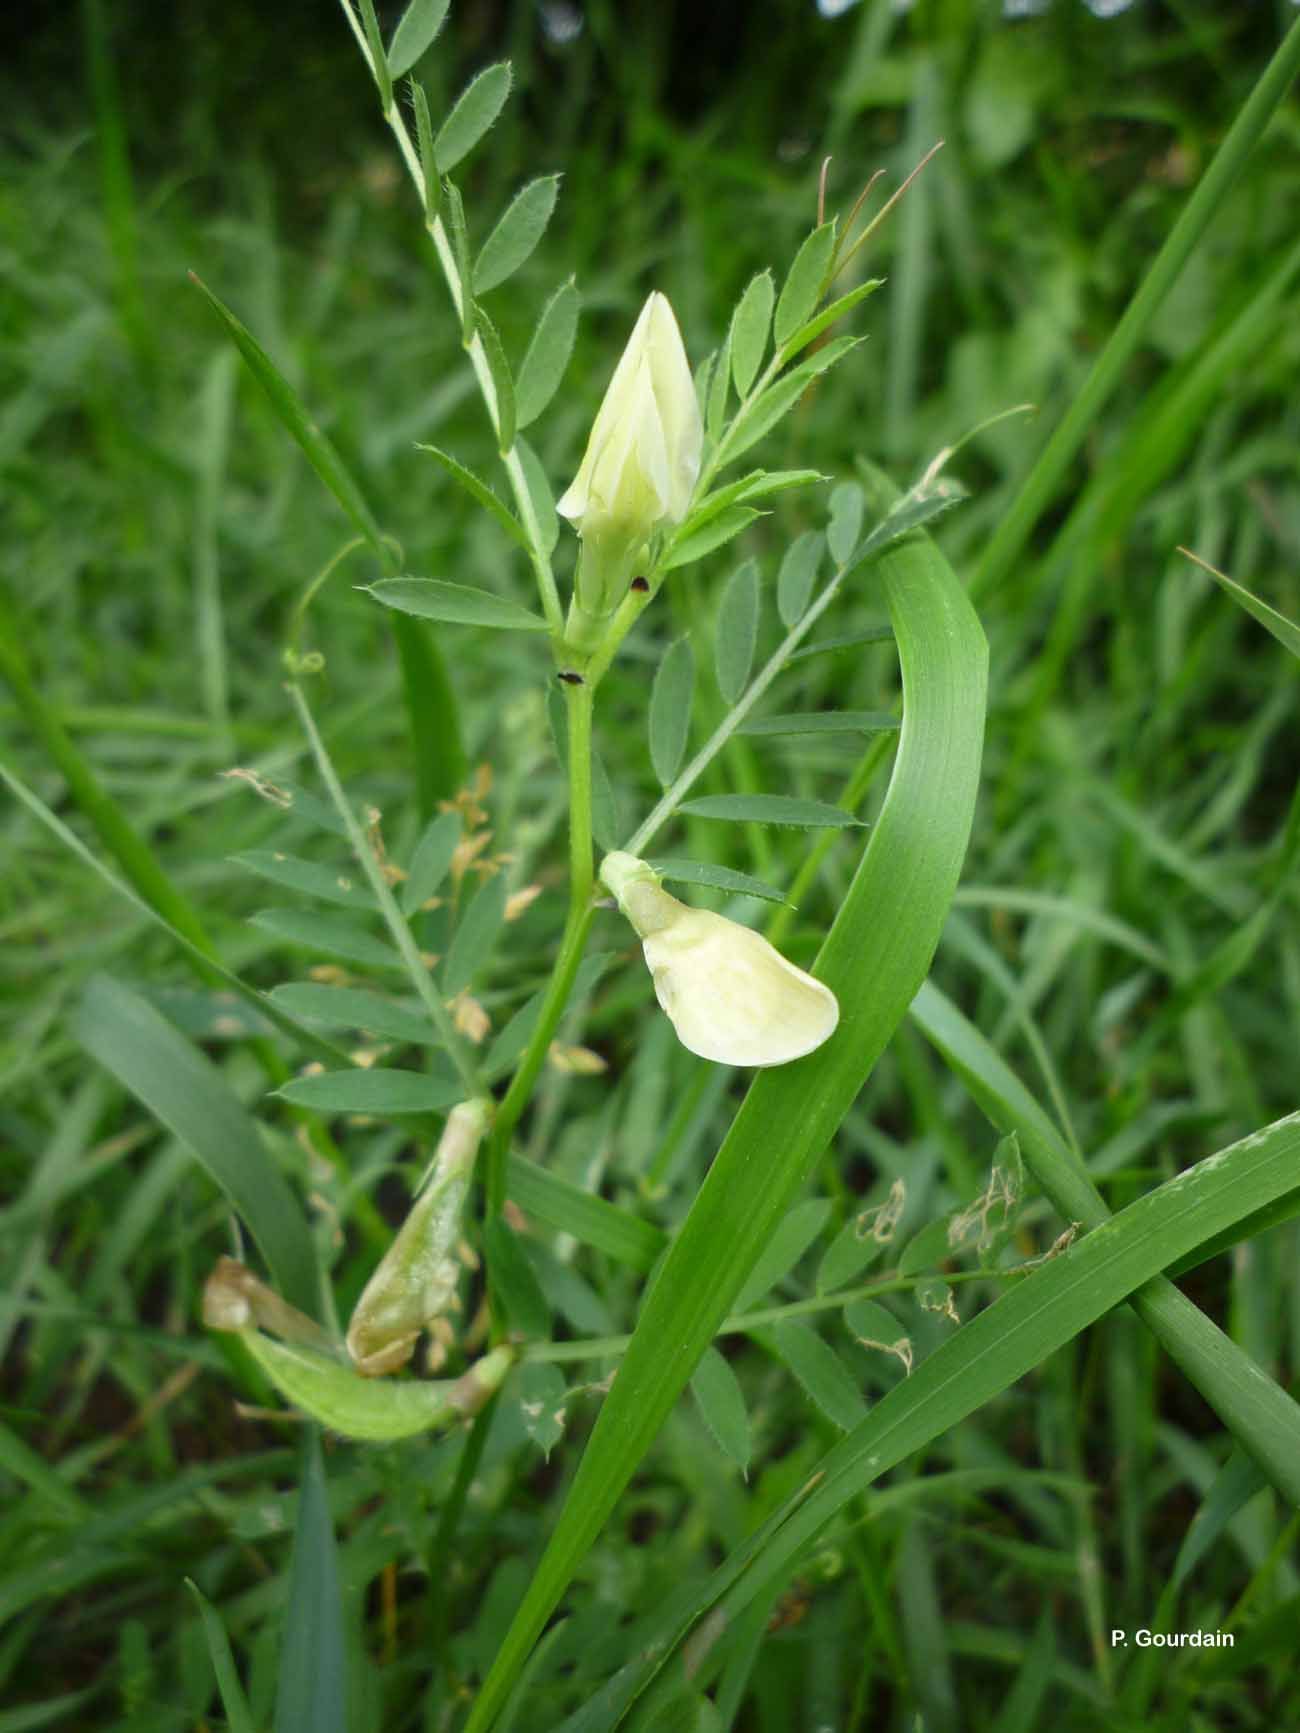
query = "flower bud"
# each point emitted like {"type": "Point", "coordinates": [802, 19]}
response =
{"type": "Point", "coordinates": [730, 995]}
{"type": "Point", "coordinates": [642, 460]}
{"type": "Point", "coordinates": [417, 1276]}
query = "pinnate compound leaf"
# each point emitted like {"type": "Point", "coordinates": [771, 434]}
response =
{"type": "Point", "coordinates": [480, 491]}
{"type": "Point", "coordinates": [804, 283]}
{"type": "Point", "coordinates": [749, 328]}
{"type": "Point", "coordinates": [770, 809]}
{"type": "Point", "coordinates": [548, 354]}
{"type": "Point", "coordinates": [737, 632]}
{"type": "Point", "coordinates": [670, 709]}
{"type": "Point", "coordinates": [476, 108]}
{"type": "Point", "coordinates": [512, 241]}
{"type": "Point", "coordinates": [415, 33]}
{"type": "Point", "coordinates": [721, 1402]}
{"type": "Point", "coordinates": [456, 604]}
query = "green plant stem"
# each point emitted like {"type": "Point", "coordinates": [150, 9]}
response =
{"type": "Point", "coordinates": [578, 700]}
{"type": "Point", "coordinates": [549, 592]}
{"type": "Point", "coordinates": [608, 1347]}
{"type": "Point", "coordinates": [393, 919]}
{"type": "Point", "coordinates": [1040, 484]}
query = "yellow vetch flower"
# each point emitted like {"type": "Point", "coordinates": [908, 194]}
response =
{"type": "Point", "coordinates": [730, 995]}
{"type": "Point", "coordinates": [642, 459]}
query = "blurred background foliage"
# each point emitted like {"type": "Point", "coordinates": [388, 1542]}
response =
{"type": "Point", "coordinates": [1140, 763]}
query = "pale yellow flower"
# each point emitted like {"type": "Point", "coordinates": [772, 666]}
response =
{"type": "Point", "coordinates": [730, 995]}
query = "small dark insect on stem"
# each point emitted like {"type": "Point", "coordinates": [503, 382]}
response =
{"type": "Point", "coordinates": [640, 584]}
{"type": "Point", "coordinates": [570, 677]}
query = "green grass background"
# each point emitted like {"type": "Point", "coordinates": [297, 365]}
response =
{"type": "Point", "coordinates": [1125, 937]}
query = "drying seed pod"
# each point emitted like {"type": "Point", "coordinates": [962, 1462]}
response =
{"type": "Point", "coordinates": [730, 995]}
{"type": "Point", "coordinates": [417, 1276]}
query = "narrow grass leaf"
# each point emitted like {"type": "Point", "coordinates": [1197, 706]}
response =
{"type": "Point", "coordinates": [1285, 631]}
{"type": "Point", "coordinates": [874, 959]}
{"type": "Point", "coordinates": [750, 325]}
{"type": "Point", "coordinates": [355, 1008]}
{"type": "Point", "coordinates": [737, 631]}
{"type": "Point", "coordinates": [377, 1090]}
{"type": "Point", "coordinates": [804, 283]}
{"type": "Point", "coordinates": [312, 1689]}
{"type": "Point", "coordinates": [294, 416]}
{"type": "Point", "coordinates": [415, 33]}
{"type": "Point", "coordinates": [1235, 1485]}
{"type": "Point", "coordinates": [512, 242]}
{"type": "Point", "coordinates": [515, 1036]}
{"type": "Point", "coordinates": [820, 1371]}
{"type": "Point", "coordinates": [480, 491]}
{"type": "Point", "coordinates": [671, 698]}
{"type": "Point", "coordinates": [822, 722]}
{"type": "Point", "coordinates": [476, 934]}
{"type": "Point", "coordinates": [308, 878]}
{"type": "Point", "coordinates": [238, 1715]}
{"type": "Point", "coordinates": [798, 574]}
{"type": "Point", "coordinates": [333, 935]}
{"type": "Point", "coordinates": [455, 604]}
{"type": "Point", "coordinates": [512, 1280]}
{"type": "Point", "coordinates": [719, 878]}
{"type": "Point", "coordinates": [769, 809]}
{"type": "Point", "coordinates": [548, 354]}
{"type": "Point", "coordinates": [431, 861]}
{"type": "Point", "coordinates": [474, 111]}
{"type": "Point", "coordinates": [191, 1098]}
{"type": "Point", "coordinates": [721, 1403]}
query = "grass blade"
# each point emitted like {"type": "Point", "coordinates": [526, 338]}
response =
{"type": "Point", "coordinates": [190, 1097]}
{"type": "Point", "coordinates": [313, 1688]}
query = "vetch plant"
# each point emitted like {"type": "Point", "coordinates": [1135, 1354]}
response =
{"type": "Point", "coordinates": [450, 1023]}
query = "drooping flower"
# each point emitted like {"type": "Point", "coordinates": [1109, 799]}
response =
{"type": "Point", "coordinates": [642, 459]}
{"type": "Point", "coordinates": [730, 995]}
